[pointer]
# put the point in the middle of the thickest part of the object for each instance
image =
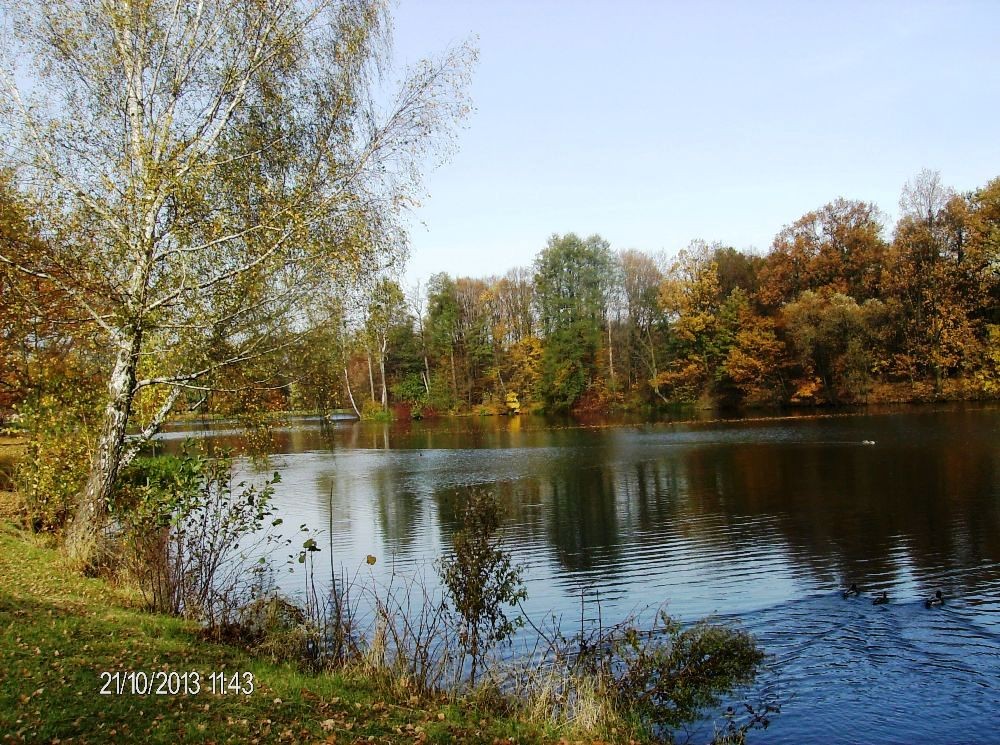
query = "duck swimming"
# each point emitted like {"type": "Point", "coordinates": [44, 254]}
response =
{"type": "Point", "coordinates": [938, 599]}
{"type": "Point", "coordinates": [851, 591]}
{"type": "Point", "coordinates": [881, 599]}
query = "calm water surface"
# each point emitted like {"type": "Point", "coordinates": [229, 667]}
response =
{"type": "Point", "coordinates": [761, 521]}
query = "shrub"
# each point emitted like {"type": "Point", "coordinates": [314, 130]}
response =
{"type": "Point", "coordinates": [372, 411]}
{"type": "Point", "coordinates": [61, 420]}
{"type": "Point", "coordinates": [411, 390]}
{"type": "Point", "coordinates": [669, 674]}
{"type": "Point", "coordinates": [480, 579]}
{"type": "Point", "coordinates": [184, 521]}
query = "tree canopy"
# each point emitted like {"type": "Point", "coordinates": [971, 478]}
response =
{"type": "Point", "coordinates": [210, 171]}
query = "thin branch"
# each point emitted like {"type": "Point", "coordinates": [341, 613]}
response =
{"type": "Point", "coordinates": [184, 378]}
{"type": "Point", "coordinates": [94, 315]}
{"type": "Point", "coordinates": [152, 428]}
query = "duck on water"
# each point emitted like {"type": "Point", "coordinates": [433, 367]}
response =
{"type": "Point", "coordinates": [938, 599]}
{"type": "Point", "coordinates": [933, 601]}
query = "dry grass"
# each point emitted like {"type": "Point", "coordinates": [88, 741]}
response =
{"type": "Point", "coordinates": [575, 705]}
{"type": "Point", "coordinates": [10, 507]}
{"type": "Point", "coordinates": [11, 450]}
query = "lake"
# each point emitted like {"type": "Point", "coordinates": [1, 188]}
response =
{"type": "Point", "coordinates": [761, 521]}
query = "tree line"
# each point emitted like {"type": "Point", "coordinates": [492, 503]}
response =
{"type": "Point", "coordinates": [840, 310]}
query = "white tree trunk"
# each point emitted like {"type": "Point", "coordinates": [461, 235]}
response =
{"type": "Point", "coordinates": [611, 356]}
{"type": "Point", "coordinates": [381, 368]}
{"type": "Point", "coordinates": [83, 538]}
{"type": "Point", "coordinates": [371, 375]}
{"type": "Point", "coordinates": [454, 381]}
{"type": "Point", "coordinates": [350, 395]}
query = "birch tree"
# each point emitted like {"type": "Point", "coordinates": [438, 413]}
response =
{"type": "Point", "coordinates": [222, 164]}
{"type": "Point", "coordinates": [385, 307]}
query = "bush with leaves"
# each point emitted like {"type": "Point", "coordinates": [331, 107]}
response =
{"type": "Point", "coordinates": [184, 521]}
{"type": "Point", "coordinates": [60, 419]}
{"type": "Point", "coordinates": [411, 391]}
{"type": "Point", "coordinates": [372, 411]}
{"type": "Point", "coordinates": [480, 578]}
{"type": "Point", "coordinates": [669, 674]}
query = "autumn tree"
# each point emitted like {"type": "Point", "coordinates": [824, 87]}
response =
{"type": "Point", "coordinates": [43, 332]}
{"type": "Point", "coordinates": [219, 164]}
{"type": "Point", "coordinates": [22, 295]}
{"type": "Point", "coordinates": [757, 360]}
{"type": "Point", "coordinates": [642, 334]}
{"type": "Point", "coordinates": [983, 247]}
{"type": "Point", "coordinates": [829, 332]}
{"type": "Point", "coordinates": [737, 270]}
{"type": "Point", "coordinates": [838, 247]}
{"type": "Point", "coordinates": [691, 299]}
{"type": "Point", "coordinates": [936, 282]}
{"type": "Point", "coordinates": [523, 369]}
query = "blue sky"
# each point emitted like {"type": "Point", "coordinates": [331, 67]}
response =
{"type": "Point", "coordinates": [656, 123]}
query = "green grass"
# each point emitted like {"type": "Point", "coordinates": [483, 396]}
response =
{"type": "Point", "coordinates": [59, 631]}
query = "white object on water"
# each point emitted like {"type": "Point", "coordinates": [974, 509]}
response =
{"type": "Point", "coordinates": [868, 442]}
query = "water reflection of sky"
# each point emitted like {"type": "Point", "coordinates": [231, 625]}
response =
{"type": "Point", "coordinates": [760, 521]}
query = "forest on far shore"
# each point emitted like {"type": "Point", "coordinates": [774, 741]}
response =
{"type": "Point", "coordinates": [840, 310]}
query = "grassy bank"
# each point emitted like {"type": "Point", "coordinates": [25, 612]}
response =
{"type": "Point", "coordinates": [60, 631]}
